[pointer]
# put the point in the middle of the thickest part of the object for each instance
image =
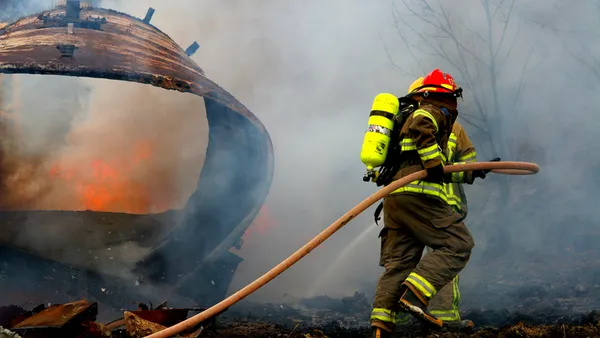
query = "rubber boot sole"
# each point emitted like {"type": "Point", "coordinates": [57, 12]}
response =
{"type": "Point", "coordinates": [462, 326]}
{"type": "Point", "coordinates": [380, 333]}
{"type": "Point", "coordinates": [423, 317]}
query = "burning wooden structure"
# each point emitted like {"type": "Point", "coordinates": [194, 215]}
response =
{"type": "Point", "coordinates": [192, 259]}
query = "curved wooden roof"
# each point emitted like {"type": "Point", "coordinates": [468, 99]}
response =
{"type": "Point", "coordinates": [122, 48]}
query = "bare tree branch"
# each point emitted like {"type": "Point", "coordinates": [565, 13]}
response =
{"type": "Point", "coordinates": [464, 70]}
{"type": "Point", "coordinates": [521, 82]}
{"type": "Point", "coordinates": [594, 64]}
{"type": "Point", "coordinates": [593, 68]}
{"type": "Point", "coordinates": [393, 62]}
{"type": "Point", "coordinates": [469, 122]}
{"type": "Point", "coordinates": [512, 45]}
{"type": "Point", "coordinates": [451, 35]}
{"type": "Point", "coordinates": [407, 43]}
{"type": "Point", "coordinates": [493, 75]}
{"type": "Point", "coordinates": [477, 34]}
{"type": "Point", "coordinates": [498, 8]}
{"type": "Point", "coordinates": [437, 50]}
{"type": "Point", "coordinates": [503, 35]}
{"type": "Point", "coordinates": [461, 46]}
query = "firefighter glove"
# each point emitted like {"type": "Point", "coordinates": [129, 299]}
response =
{"type": "Point", "coordinates": [483, 173]}
{"type": "Point", "coordinates": [480, 174]}
{"type": "Point", "coordinates": [435, 174]}
{"type": "Point", "coordinates": [497, 159]}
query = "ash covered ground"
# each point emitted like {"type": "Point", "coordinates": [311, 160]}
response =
{"type": "Point", "coordinates": [308, 320]}
{"type": "Point", "coordinates": [508, 299]}
{"type": "Point", "coordinates": [506, 295]}
{"type": "Point", "coordinates": [348, 317]}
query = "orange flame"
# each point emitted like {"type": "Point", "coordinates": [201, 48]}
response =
{"type": "Point", "coordinates": [104, 185]}
{"type": "Point", "coordinates": [263, 222]}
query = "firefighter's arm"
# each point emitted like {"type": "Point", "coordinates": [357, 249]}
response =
{"type": "Point", "coordinates": [465, 153]}
{"type": "Point", "coordinates": [461, 176]}
{"type": "Point", "coordinates": [422, 130]}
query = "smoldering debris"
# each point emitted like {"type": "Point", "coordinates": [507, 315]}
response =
{"type": "Point", "coordinates": [7, 333]}
{"type": "Point", "coordinates": [78, 319]}
{"type": "Point", "coordinates": [309, 318]}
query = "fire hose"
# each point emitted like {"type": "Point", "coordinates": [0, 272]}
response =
{"type": "Point", "coordinates": [507, 168]}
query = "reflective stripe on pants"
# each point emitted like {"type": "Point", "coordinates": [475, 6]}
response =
{"type": "Point", "coordinates": [384, 315]}
{"type": "Point", "coordinates": [422, 285]}
{"type": "Point", "coordinates": [445, 305]}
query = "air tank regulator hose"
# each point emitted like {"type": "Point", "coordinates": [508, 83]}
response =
{"type": "Point", "coordinates": [507, 168]}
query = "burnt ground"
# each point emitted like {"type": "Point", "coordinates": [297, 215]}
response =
{"type": "Point", "coordinates": [349, 318]}
{"type": "Point", "coordinates": [263, 330]}
{"type": "Point", "coordinates": [534, 295]}
{"type": "Point", "coordinates": [230, 327]}
{"type": "Point", "coordinates": [542, 296]}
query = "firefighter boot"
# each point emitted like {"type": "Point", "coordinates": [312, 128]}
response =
{"type": "Point", "coordinates": [416, 304]}
{"type": "Point", "coordinates": [380, 333]}
{"type": "Point", "coordinates": [459, 325]}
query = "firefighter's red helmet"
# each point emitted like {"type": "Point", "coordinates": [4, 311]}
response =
{"type": "Point", "coordinates": [438, 82]}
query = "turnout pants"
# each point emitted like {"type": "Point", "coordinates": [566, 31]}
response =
{"type": "Point", "coordinates": [444, 305]}
{"type": "Point", "coordinates": [413, 222]}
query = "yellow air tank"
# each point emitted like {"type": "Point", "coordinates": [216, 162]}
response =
{"type": "Point", "coordinates": [377, 138]}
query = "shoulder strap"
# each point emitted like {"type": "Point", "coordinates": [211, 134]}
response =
{"type": "Point", "coordinates": [377, 213]}
{"type": "Point", "coordinates": [407, 107]}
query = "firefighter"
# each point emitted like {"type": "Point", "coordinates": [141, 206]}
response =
{"type": "Point", "coordinates": [445, 304]}
{"type": "Point", "coordinates": [418, 214]}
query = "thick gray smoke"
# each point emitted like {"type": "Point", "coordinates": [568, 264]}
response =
{"type": "Point", "coordinates": [309, 70]}
{"type": "Point", "coordinates": [320, 64]}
